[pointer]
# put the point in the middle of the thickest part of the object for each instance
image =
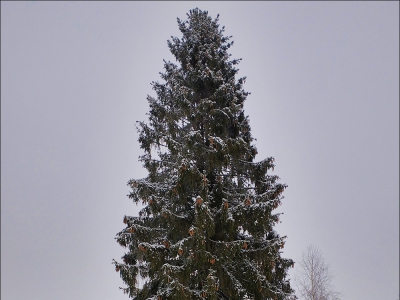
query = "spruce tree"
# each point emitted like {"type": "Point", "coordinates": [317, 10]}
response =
{"type": "Point", "coordinates": [206, 227]}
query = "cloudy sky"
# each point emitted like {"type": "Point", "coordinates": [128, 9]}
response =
{"type": "Point", "coordinates": [324, 83]}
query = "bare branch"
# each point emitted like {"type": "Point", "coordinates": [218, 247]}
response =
{"type": "Point", "coordinates": [313, 277]}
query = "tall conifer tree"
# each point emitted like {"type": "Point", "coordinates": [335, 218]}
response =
{"type": "Point", "coordinates": [206, 228]}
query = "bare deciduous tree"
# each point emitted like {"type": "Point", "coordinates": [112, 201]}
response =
{"type": "Point", "coordinates": [313, 277]}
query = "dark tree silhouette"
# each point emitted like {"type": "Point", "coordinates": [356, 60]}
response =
{"type": "Point", "coordinates": [206, 229]}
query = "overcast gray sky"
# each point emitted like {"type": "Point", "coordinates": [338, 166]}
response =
{"type": "Point", "coordinates": [324, 78]}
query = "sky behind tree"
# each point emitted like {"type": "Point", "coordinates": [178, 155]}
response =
{"type": "Point", "coordinates": [324, 83]}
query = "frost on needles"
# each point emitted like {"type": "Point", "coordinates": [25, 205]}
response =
{"type": "Point", "coordinates": [206, 227]}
